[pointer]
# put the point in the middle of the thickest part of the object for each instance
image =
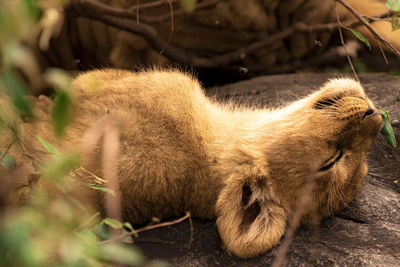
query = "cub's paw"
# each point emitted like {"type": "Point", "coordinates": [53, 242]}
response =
{"type": "Point", "coordinates": [249, 222]}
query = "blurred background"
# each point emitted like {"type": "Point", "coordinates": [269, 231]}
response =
{"type": "Point", "coordinates": [220, 41]}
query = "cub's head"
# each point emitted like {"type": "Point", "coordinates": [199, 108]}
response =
{"type": "Point", "coordinates": [320, 140]}
{"type": "Point", "coordinates": [329, 140]}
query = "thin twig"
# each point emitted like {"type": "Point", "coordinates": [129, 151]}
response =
{"type": "Point", "coordinates": [150, 5]}
{"type": "Point", "coordinates": [375, 18]}
{"type": "Point", "coordinates": [82, 225]}
{"type": "Point", "coordinates": [172, 26]}
{"type": "Point", "coordinates": [191, 231]}
{"type": "Point", "coordinates": [97, 178]}
{"type": "Point", "coordinates": [344, 45]}
{"type": "Point", "coordinates": [8, 149]}
{"type": "Point", "coordinates": [383, 52]}
{"type": "Point", "coordinates": [300, 210]}
{"type": "Point", "coordinates": [146, 228]}
{"type": "Point", "coordinates": [370, 29]}
{"type": "Point", "coordinates": [137, 12]}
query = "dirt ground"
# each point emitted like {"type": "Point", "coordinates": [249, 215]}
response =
{"type": "Point", "coordinates": [367, 233]}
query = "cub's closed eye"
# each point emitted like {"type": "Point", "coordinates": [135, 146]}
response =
{"type": "Point", "coordinates": [326, 102]}
{"type": "Point", "coordinates": [332, 161]}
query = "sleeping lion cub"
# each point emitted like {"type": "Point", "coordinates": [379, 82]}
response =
{"type": "Point", "coordinates": [180, 151]}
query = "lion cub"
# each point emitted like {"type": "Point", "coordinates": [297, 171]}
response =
{"type": "Point", "coordinates": [180, 151]}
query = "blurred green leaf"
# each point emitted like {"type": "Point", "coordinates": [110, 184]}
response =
{"type": "Point", "coordinates": [17, 246]}
{"type": "Point", "coordinates": [130, 228]}
{"type": "Point", "coordinates": [122, 253]}
{"type": "Point", "coordinates": [387, 129]}
{"type": "Point", "coordinates": [7, 161]}
{"type": "Point", "coordinates": [101, 188]}
{"type": "Point", "coordinates": [127, 237]}
{"type": "Point", "coordinates": [32, 8]}
{"type": "Point", "coordinates": [49, 147]}
{"type": "Point", "coordinates": [393, 5]}
{"type": "Point", "coordinates": [88, 237]}
{"type": "Point", "coordinates": [18, 20]}
{"type": "Point", "coordinates": [395, 21]}
{"type": "Point", "coordinates": [61, 112]}
{"type": "Point", "coordinates": [101, 231]}
{"type": "Point", "coordinates": [366, 19]}
{"type": "Point", "coordinates": [188, 5]}
{"type": "Point", "coordinates": [113, 223]}
{"type": "Point", "coordinates": [44, 231]}
{"type": "Point", "coordinates": [361, 37]}
{"type": "Point", "coordinates": [385, 113]}
{"type": "Point", "coordinates": [16, 90]}
{"type": "Point", "coordinates": [62, 105]}
{"type": "Point", "coordinates": [61, 165]}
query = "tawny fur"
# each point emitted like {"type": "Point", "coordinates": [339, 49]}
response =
{"type": "Point", "coordinates": [180, 151]}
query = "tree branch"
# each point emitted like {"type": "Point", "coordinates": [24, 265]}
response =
{"type": "Point", "coordinates": [150, 227]}
{"type": "Point", "coordinates": [370, 29]}
{"type": "Point", "coordinates": [343, 44]}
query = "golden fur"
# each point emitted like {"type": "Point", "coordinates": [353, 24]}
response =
{"type": "Point", "coordinates": [180, 151]}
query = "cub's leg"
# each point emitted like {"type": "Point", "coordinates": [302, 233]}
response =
{"type": "Point", "coordinates": [249, 222]}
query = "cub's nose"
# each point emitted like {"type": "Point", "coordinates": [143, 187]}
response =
{"type": "Point", "coordinates": [371, 112]}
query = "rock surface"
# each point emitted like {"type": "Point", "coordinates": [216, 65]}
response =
{"type": "Point", "coordinates": [366, 233]}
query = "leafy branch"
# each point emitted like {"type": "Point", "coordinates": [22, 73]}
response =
{"type": "Point", "coordinates": [360, 18]}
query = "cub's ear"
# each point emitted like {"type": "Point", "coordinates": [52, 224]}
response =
{"type": "Point", "coordinates": [249, 222]}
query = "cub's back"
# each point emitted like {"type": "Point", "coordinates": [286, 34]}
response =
{"type": "Point", "coordinates": [164, 123]}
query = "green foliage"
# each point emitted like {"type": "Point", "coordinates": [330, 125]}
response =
{"type": "Point", "coordinates": [101, 188]}
{"type": "Point", "coordinates": [61, 166]}
{"type": "Point", "coordinates": [101, 231]}
{"type": "Point", "coordinates": [31, 9]}
{"type": "Point", "coordinates": [49, 147]}
{"type": "Point", "coordinates": [48, 233]}
{"type": "Point", "coordinates": [58, 230]}
{"type": "Point", "coordinates": [62, 106]}
{"type": "Point", "coordinates": [395, 21]}
{"type": "Point", "coordinates": [16, 90]}
{"type": "Point", "coordinates": [387, 129]}
{"type": "Point", "coordinates": [393, 5]}
{"type": "Point", "coordinates": [61, 112]}
{"type": "Point", "coordinates": [113, 223]}
{"type": "Point", "coordinates": [361, 37]}
{"type": "Point", "coordinates": [18, 20]}
{"type": "Point", "coordinates": [123, 253]}
{"type": "Point", "coordinates": [6, 161]}
{"type": "Point", "coordinates": [54, 228]}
